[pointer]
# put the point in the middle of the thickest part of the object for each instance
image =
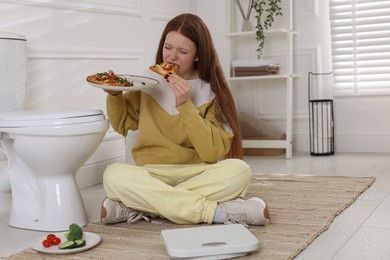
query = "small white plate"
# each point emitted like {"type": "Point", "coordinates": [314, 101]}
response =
{"type": "Point", "coordinates": [91, 240]}
{"type": "Point", "coordinates": [139, 83]}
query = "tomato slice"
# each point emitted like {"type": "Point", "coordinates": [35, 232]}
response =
{"type": "Point", "coordinates": [167, 66]}
{"type": "Point", "coordinates": [50, 236]}
{"type": "Point", "coordinates": [55, 241]}
{"type": "Point", "coordinates": [46, 243]}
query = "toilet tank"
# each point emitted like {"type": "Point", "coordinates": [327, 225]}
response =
{"type": "Point", "coordinates": [13, 71]}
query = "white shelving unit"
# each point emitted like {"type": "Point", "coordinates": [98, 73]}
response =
{"type": "Point", "coordinates": [286, 33]}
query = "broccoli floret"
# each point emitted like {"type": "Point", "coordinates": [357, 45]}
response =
{"type": "Point", "coordinates": [75, 232]}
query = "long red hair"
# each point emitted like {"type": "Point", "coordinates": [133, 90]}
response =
{"type": "Point", "coordinates": [209, 70]}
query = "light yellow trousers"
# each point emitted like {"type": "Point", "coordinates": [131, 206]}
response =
{"type": "Point", "coordinates": [184, 194]}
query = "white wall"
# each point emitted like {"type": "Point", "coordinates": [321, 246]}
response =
{"type": "Point", "coordinates": [68, 40]}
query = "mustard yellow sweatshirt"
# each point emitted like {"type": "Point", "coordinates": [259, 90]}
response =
{"type": "Point", "coordinates": [189, 133]}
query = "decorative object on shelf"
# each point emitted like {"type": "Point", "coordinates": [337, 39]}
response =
{"type": "Point", "coordinates": [246, 24]}
{"type": "Point", "coordinates": [255, 67]}
{"type": "Point", "coordinates": [266, 10]}
{"type": "Point", "coordinates": [253, 128]}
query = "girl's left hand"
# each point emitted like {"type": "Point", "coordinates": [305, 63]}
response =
{"type": "Point", "coordinates": [180, 87]}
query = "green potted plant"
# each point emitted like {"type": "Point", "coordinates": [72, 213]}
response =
{"type": "Point", "coordinates": [266, 11]}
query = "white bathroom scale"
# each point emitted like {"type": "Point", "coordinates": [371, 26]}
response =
{"type": "Point", "coordinates": [209, 242]}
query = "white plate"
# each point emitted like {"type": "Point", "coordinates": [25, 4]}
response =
{"type": "Point", "coordinates": [139, 83]}
{"type": "Point", "coordinates": [91, 240]}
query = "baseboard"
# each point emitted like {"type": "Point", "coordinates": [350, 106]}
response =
{"type": "Point", "coordinates": [349, 143]}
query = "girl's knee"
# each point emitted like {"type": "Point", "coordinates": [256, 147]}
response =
{"type": "Point", "coordinates": [238, 165]}
{"type": "Point", "coordinates": [112, 171]}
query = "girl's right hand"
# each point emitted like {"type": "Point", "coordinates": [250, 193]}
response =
{"type": "Point", "coordinates": [112, 92]}
{"type": "Point", "coordinates": [180, 87]}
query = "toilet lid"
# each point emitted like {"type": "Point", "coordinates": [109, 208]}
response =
{"type": "Point", "coordinates": [48, 118]}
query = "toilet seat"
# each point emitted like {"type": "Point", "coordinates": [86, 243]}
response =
{"type": "Point", "coordinates": [30, 118]}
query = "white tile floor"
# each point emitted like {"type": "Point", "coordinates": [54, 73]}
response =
{"type": "Point", "coordinates": [361, 232]}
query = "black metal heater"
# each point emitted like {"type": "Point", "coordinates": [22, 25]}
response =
{"type": "Point", "coordinates": [321, 122]}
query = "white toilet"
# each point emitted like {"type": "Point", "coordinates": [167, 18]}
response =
{"type": "Point", "coordinates": [44, 151]}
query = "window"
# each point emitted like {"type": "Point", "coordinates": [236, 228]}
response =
{"type": "Point", "coordinates": [360, 31]}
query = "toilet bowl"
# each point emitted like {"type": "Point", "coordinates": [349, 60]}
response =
{"type": "Point", "coordinates": [44, 151]}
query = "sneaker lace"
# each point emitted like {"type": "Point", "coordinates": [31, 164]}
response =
{"type": "Point", "coordinates": [134, 216]}
{"type": "Point", "coordinates": [236, 218]}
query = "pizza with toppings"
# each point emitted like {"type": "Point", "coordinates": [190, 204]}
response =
{"type": "Point", "coordinates": [109, 79]}
{"type": "Point", "coordinates": [164, 68]}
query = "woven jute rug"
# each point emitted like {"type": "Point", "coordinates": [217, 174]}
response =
{"type": "Point", "coordinates": [301, 207]}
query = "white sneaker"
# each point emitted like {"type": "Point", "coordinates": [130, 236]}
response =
{"type": "Point", "coordinates": [114, 212]}
{"type": "Point", "coordinates": [253, 211]}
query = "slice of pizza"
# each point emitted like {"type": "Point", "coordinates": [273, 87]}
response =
{"type": "Point", "coordinates": [164, 68]}
{"type": "Point", "coordinates": [109, 79]}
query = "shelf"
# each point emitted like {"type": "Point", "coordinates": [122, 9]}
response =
{"type": "Point", "coordinates": [271, 32]}
{"type": "Point", "coordinates": [265, 144]}
{"type": "Point", "coordinates": [281, 35]}
{"type": "Point", "coordinates": [281, 76]}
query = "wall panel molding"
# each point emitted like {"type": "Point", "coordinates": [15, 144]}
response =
{"type": "Point", "coordinates": [306, 7]}
{"type": "Point", "coordinates": [161, 11]}
{"type": "Point", "coordinates": [313, 52]}
{"type": "Point", "coordinates": [309, 53]}
{"type": "Point", "coordinates": [45, 52]}
{"type": "Point", "coordinates": [71, 53]}
{"type": "Point", "coordinates": [124, 7]}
